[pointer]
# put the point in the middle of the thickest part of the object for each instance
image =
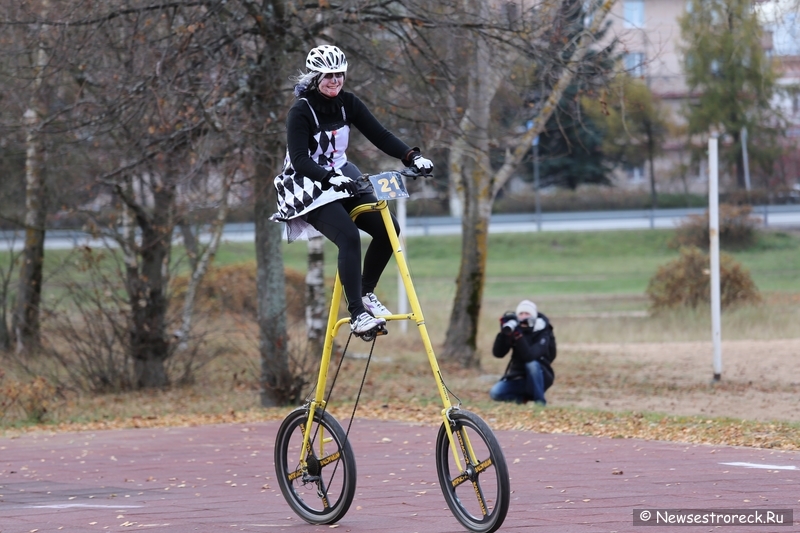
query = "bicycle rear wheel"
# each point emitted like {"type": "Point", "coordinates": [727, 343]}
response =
{"type": "Point", "coordinates": [322, 491]}
{"type": "Point", "coordinates": [479, 495]}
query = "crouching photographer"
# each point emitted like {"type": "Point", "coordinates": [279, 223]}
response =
{"type": "Point", "coordinates": [529, 336]}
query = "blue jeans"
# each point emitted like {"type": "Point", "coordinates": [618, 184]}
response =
{"type": "Point", "coordinates": [521, 390]}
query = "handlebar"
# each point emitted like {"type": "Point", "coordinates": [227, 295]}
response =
{"type": "Point", "coordinates": [406, 172]}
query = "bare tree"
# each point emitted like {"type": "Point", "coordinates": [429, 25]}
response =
{"type": "Point", "coordinates": [153, 80]}
{"type": "Point", "coordinates": [454, 57]}
{"type": "Point", "coordinates": [25, 321]}
{"type": "Point", "coordinates": [480, 183]}
{"type": "Point", "coordinates": [167, 91]}
{"type": "Point", "coordinates": [152, 107]}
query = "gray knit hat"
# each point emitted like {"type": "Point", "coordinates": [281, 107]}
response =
{"type": "Point", "coordinates": [527, 306]}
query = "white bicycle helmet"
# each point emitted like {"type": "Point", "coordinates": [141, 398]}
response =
{"type": "Point", "coordinates": [325, 59]}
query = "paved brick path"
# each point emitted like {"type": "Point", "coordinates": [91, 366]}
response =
{"type": "Point", "coordinates": [220, 479]}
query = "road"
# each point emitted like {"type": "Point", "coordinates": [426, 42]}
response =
{"type": "Point", "coordinates": [774, 216]}
{"type": "Point", "coordinates": [221, 479]}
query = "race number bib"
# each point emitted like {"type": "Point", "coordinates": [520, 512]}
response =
{"type": "Point", "coordinates": [388, 186]}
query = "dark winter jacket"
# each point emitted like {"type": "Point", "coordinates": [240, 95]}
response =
{"type": "Point", "coordinates": [527, 345]}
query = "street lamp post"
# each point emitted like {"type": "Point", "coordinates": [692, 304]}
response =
{"type": "Point", "coordinates": [535, 143]}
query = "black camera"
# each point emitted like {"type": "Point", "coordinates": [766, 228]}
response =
{"type": "Point", "coordinates": [509, 322]}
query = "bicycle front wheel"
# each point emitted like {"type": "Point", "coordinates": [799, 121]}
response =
{"type": "Point", "coordinates": [319, 484]}
{"type": "Point", "coordinates": [479, 493]}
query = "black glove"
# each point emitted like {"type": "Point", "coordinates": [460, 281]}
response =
{"type": "Point", "coordinates": [340, 183]}
{"type": "Point", "coordinates": [414, 160]}
{"type": "Point", "coordinates": [423, 165]}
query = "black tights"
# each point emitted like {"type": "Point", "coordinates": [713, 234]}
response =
{"type": "Point", "coordinates": [333, 220]}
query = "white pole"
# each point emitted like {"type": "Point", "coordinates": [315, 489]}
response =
{"type": "Point", "coordinates": [713, 232]}
{"type": "Point", "coordinates": [402, 299]}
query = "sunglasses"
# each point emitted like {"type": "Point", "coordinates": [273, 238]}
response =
{"type": "Point", "coordinates": [331, 75]}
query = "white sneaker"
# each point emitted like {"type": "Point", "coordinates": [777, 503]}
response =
{"type": "Point", "coordinates": [365, 322]}
{"type": "Point", "coordinates": [374, 306]}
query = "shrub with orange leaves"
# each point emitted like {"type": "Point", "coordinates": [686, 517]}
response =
{"type": "Point", "coordinates": [686, 282]}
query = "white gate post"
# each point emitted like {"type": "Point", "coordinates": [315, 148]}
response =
{"type": "Point", "coordinates": [713, 232]}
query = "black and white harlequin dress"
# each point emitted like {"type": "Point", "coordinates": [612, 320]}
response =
{"type": "Point", "coordinates": [318, 134]}
{"type": "Point", "coordinates": [298, 194]}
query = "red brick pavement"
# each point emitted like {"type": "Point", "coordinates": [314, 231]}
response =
{"type": "Point", "coordinates": [220, 479]}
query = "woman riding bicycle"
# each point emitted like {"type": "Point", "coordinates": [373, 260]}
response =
{"type": "Point", "coordinates": [318, 186]}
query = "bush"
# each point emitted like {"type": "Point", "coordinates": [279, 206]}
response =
{"type": "Point", "coordinates": [32, 398]}
{"type": "Point", "coordinates": [232, 289]}
{"type": "Point", "coordinates": [686, 282]}
{"type": "Point", "coordinates": [737, 229]}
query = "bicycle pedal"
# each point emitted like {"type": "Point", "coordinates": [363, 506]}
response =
{"type": "Point", "coordinates": [369, 336]}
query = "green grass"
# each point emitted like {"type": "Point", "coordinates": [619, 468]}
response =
{"type": "Point", "coordinates": [579, 263]}
{"type": "Point", "coordinates": [573, 266]}
{"type": "Point", "coordinates": [579, 277]}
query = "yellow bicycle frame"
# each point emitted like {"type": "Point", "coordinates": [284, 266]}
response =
{"type": "Point", "coordinates": [416, 315]}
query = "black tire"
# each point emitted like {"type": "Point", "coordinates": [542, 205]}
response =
{"type": "Point", "coordinates": [322, 493]}
{"type": "Point", "coordinates": [478, 496]}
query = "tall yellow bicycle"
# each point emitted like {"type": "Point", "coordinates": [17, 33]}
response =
{"type": "Point", "coordinates": [314, 460]}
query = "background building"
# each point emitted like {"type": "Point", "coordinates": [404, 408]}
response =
{"type": "Point", "coordinates": [650, 38]}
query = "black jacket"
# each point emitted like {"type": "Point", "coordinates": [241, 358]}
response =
{"type": "Point", "coordinates": [300, 129]}
{"type": "Point", "coordinates": [529, 346]}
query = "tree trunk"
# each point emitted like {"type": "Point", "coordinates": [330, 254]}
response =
{"type": "Point", "coordinates": [651, 155]}
{"type": "Point", "coordinates": [201, 263]}
{"type": "Point", "coordinates": [6, 277]}
{"type": "Point", "coordinates": [276, 382]}
{"type": "Point", "coordinates": [277, 385]}
{"type": "Point", "coordinates": [462, 331]}
{"type": "Point", "coordinates": [738, 161]}
{"type": "Point", "coordinates": [190, 243]}
{"type": "Point", "coordinates": [25, 321]}
{"type": "Point", "coordinates": [315, 294]}
{"type": "Point", "coordinates": [476, 179]}
{"type": "Point", "coordinates": [147, 292]}
{"type": "Point", "coordinates": [5, 336]}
